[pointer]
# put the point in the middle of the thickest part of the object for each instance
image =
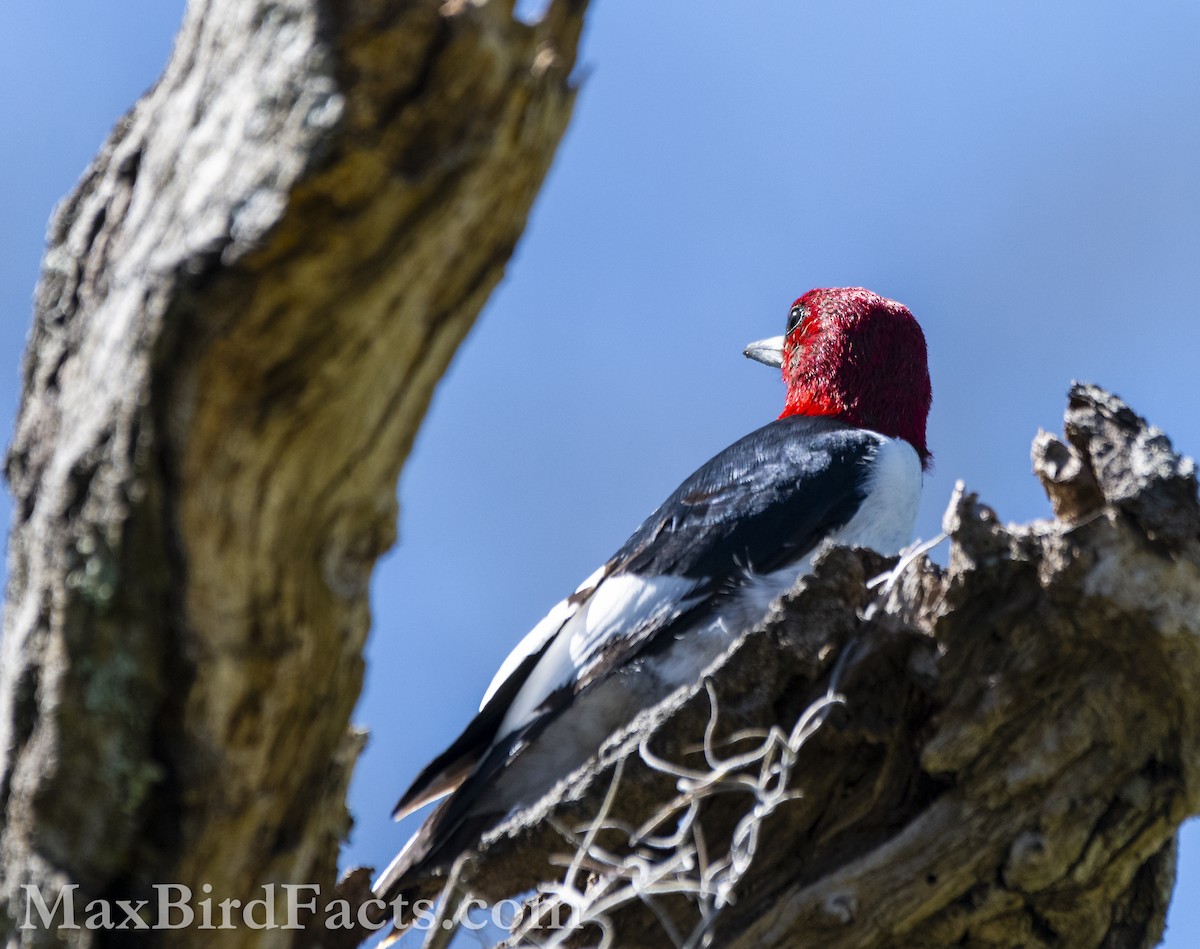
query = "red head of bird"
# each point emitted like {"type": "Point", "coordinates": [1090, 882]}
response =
{"type": "Point", "coordinates": [854, 355]}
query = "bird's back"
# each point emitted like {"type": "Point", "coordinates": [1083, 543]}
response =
{"type": "Point", "coordinates": [701, 569]}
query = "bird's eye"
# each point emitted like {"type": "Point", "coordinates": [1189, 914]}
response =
{"type": "Point", "coordinates": [795, 317]}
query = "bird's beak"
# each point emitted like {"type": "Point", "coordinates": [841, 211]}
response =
{"type": "Point", "coordinates": [769, 351]}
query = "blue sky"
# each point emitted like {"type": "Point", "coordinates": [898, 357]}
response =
{"type": "Point", "coordinates": [1024, 176]}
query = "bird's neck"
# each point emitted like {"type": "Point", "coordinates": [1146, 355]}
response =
{"type": "Point", "coordinates": [819, 402]}
{"type": "Point", "coordinates": [812, 402]}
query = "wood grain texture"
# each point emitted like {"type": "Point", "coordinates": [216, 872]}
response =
{"type": "Point", "coordinates": [244, 307]}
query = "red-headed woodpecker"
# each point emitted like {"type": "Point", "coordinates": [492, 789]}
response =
{"type": "Point", "coordinates": [842, 464]}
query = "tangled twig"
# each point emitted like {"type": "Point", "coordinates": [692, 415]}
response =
{"type": "Point", "coordinates": [668, 855]}
{"type": "Point", "coordinates": [678, 862]}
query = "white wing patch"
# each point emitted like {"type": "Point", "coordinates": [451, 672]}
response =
{"type": "Point", "coordinates": [619, 607]}
{"type": "Point", "coordinates": [530, 643]}
{"type": "Point", "coordinates": [537, 637]}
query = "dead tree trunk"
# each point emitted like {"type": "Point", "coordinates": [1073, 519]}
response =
{"type": "Point", "coordinates": [994, 754]}
{"type": "Point", "coordinates": [244, 307]}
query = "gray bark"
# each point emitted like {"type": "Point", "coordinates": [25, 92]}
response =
{"type": "Point", "coordinates": [1011, 747]}
{"type": "Point", "coordinates": [243, 310]}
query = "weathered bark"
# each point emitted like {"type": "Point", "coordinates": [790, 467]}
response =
{"type": "Point", "coordinates": [244, 307]}
{"type": "Point", "coordinates": [1017, 741]}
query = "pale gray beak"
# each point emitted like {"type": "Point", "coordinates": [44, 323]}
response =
{"type": "Point", "coordinates": [769, 351]}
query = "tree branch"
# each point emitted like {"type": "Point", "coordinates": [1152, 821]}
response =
{"type": "Point", "coordinates": [997, 753]}
{"type": "Point", "coordinates": [243, 310]}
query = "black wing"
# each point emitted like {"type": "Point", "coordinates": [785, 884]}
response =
{"type": "Point", "coordinates": [763, 503]}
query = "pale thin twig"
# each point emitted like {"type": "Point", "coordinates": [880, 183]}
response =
{"type": "Point", "coordinates": [449, 905]}
{"type": "Point", "coordinates": [680, 862]}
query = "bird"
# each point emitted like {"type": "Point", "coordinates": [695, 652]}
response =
{"type": "Point", "coordinates": [843, 463]}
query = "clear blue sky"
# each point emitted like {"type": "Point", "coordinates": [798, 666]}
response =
{"type": "Point", "coordinates": [1025, 176]}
